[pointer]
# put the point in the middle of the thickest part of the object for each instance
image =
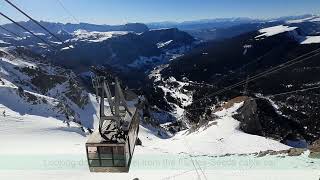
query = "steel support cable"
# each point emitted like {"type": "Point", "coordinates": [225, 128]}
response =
{"type": "Point", "coordinates": [33, 20]}
{"type": "Point", "coordinates": [268, 96]}
{"type": "Point", "coordinates": [9, 31]}
{"type": "Point", "coordinates": [191, 157]}
{"type": "Point", "coordinates": [44, 41]}
{"type": "Point", "coordinates": [68, 12]}
{"type": "Point", "coordinates": [248, 64]}
{"type": "Point", "coordinates": [267, 72]}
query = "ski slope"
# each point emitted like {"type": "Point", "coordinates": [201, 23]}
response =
{"type": "Point", "coordinates": [36, 147]}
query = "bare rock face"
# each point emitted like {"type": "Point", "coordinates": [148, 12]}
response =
{"type": "Point", "coordinates": [315, 150]}
{"type": "Point", "coordinates": [295, 152]}
{"type": "Point", "coordinates": [259, 117]}
{"type": "Point", "coordinates": [290, 152]}
{"type": "Point", "coordinates": [249, 118]}
{"type": "Point", "coordinates": [139, 142]}
{"type": "Point", "coordinates": [40, 82]}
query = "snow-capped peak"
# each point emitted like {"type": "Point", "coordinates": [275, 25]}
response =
{"type": "Point", "coordinates": [163, 44]}
{"type": "Point", "coordinates": [95, 36]}
{"type": "Point", "coordinates": [68, 47]}
{"type": "Point", "coordinates": [308, 19]}
{"type": "Point", "coordinates": [271, 31]}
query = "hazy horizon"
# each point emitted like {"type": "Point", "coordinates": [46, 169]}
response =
{"type": "Point", "coordinates": [168, 21]}
{"type": "Point", "coordinates": [115, 12]}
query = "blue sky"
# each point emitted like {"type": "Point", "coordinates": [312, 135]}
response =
{"type": "Point", "coordinates": [123, 11]}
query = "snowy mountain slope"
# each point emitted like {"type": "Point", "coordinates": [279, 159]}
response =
{"type": "Point", "coordinates": [214, 65]}
{"type": "Point", "coordinates": [28, 102]}
{"type": "Point", "coordinates": [94, 36]}
{"type": "Point", "coordinates": [176, 93]}
{"type": "Point", "coordinates": [220, 137]}
{"type": "Point", "coordinates": [129, 54]}
{"type": "Point", "coordinates": [58, 152]}
{"type": "Point", "coordinates": [38, 134]}
{"type": "Point", "coordinates": [275, 30]}
{"type": "Point", "coordinates": [30, 85]}
{"type": "Point", "coordinates": [312, 18]}
{"type": "Point", "coordinates": [119, 49]}
{"type": "Point", "coordinates": [149, 63]}
{"type": "Point", "coordinates": [311, 40]}
{"type": "Point", "coordinates": [271, 31]}
{"type": "Point", "coordinates": [124, 51]}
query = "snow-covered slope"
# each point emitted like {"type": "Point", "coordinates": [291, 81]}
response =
{"type": "Point", "coordinates": [30, 85]}
{"type": "Point", "coordinates": [308, 19]}
{"type": "Point", "coordinates": [311, 40]}
{"type": "Point", "coordinates": [220, 137]}
{"type": "Point", "coordinates": [302, 38]}
{"type": "Point", "coordinates": [35, 147]}
{"type": "Point", "coordinates": [94, 36]}
{"type": "Point", "coordinates": [271, 31]}
{"type": "Point", "coordinates": [152, 62]}
{"type": "Point", "coordinates": [163, 44]}
{"type": "Point", "coordinates": [38, 134]}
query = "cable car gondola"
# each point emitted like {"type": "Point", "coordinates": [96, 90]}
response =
{"type": "Point", "coordinates": [110, 147]}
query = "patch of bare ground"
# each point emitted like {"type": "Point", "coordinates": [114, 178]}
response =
{"type": "Point", "coordinates": [231, 102]}
{"type": "Point", "coordinates": [289, 152]}
{"type": "Point", "coordinates": [315, 149]}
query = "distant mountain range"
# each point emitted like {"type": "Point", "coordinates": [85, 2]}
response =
{"type": "Point", "coordinates": [223, 28]}
{"type": "Point", "coordinates": [217, 23]}
{"type": "Point", "coordinates": [69, 28]}
{"type": "Point", "coordinates": [131, 48]}
{"type": "Point", "coordinates": [206, 29]}
{"type": "Point", "coordinates": [122, 51]}
{"type": "Point", "coordinates": [203, 24]}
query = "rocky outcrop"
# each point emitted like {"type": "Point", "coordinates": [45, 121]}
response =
{"type": "Point", "coordinates": [315, 150]}
{"type": "Point", "coordinates": [289, 152]}
{"type": "Point", "coordinates": [38, 82]}
{"type": "Point", "coordinates": [259, 117]}
{"type": "Point", "coordinates": [249, 118]}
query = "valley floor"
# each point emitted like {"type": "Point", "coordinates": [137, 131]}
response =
{"type": "Point", "coordinates": [34, 147]}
